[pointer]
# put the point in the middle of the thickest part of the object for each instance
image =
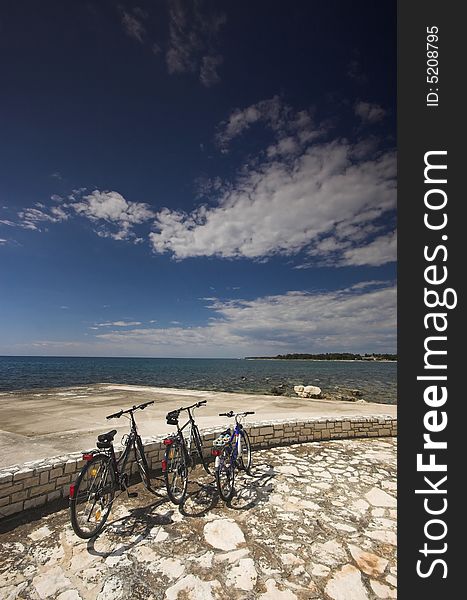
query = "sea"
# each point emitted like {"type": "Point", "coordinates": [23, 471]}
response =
{"type": "Point", "coordinates": [376, 380]}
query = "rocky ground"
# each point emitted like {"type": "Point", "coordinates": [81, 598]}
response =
{"type": "Point", "coordinates": [315, 520]}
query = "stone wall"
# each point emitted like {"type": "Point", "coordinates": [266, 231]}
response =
{"type": "Point", "coordinates": [36, 483]}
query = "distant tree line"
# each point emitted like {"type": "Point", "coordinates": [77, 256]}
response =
{"type": "Point", "coordinates": [329, 356]}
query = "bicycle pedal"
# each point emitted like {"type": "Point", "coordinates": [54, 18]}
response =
{"type": "Point", "coordinates": [132, 494]}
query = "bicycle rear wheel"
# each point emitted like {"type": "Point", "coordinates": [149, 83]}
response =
{"type": "Point", "coordinates": [176, 472]}
{"type": "Point", "coordinates": [142, 463]}
{"type": "Point", "coordinates": [92, 497]}
{"type": "Point", "coordinates": [225, 473]}
{"type": "Point", "coordinates": [244, 454]}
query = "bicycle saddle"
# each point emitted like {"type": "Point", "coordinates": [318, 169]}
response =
{"type": "Point", "coordinates": [105, 439]}
{"type": "Point", "coordinates": [172, 417]}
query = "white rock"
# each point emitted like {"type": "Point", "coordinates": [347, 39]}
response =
{"type": "Point", "coordinates": [171, 568]}
{"type": "Point", "coordinates": [243, 576]}
{"type": "Point", "coordinates": [112, 590]}
{"type": "Point", "coordinates": [312, 390]}
{"type": "Point", "coordinates": [231, 557]}
{"type": "Point", "coordinates": [291, 559]}
{"type": "Point", "coordinates": [160, 535]}
{"type": "Point", "coordinates": [369, 563]}
{"type": "Point", "coordinates": [82, 559]}
{"type": "Point", "coordinates": [50, 582]}
{"type": "Point", "coordinates": [288, 470]}
{"type": "Point", "coordinates": [118, 559]}
{"type": "Point", "coordinates": [377, 497]}
{"type": "Point", "coordinates": [193, 587]}
{"type": "Point", "coordinates": [308, 391]}
{"type": "Point", "coordinates": [320, 570]}
{"type": "Point", "coordinates": [344, 527]}
{"type": "Point", "coordinates": [40, 534]}
{"type": "Point", "coordinates": [274, 593]}
{"type": "Point", "coordinates": [360, 505]}
{"type": "Point", "coordinates": [223, 534]}
{"type": "Point", "coordinates": [69, 595]}
{"type": "Point", "coordinates": [205, 560]}
{"type": "Point", "coordinates": [330, 553]}
{"type": "Point", "coordinates": [382, 591]}
{"type": "Point", "coordinates": [346, 585]}
{"type": "Point", "coordinates": [12, 592]}
{"type": "Point", "coordinates": [381, 535]}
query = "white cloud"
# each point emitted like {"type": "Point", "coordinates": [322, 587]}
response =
{"type": "Point", "coordinates": [3, 241]}
{"type": "Point", "coordinates": [271, 112]}
{"type": "Point", "coordinates": [208, 72]}
{"type": "Point", "coordinates": [284, 206]}
{"type": "Point", "coordinates": [133, 26]}
{"type": "Point", "coordinates": [381, 250]}
{"type": "Point", "coordinates": [119, 324]}
{"type": "Point", "coordinates": [354, 319]}
{"type": "Point", "coordinates": [32, 218]}
{"type": "Point", "coordinates": [192, 38]}
{"type": "Point", "coordinates": [360, 318]}
{"type": "Point", "coordinates": [112, 208]}
{"type": "Point", "coordinates": [369, 113]}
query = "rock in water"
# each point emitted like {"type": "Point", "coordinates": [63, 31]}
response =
{"type": "Point", "coordinates": [312, 390]}
{"type": "Point", "coordinates": [308, 391]}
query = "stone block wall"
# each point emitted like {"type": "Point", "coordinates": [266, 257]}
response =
{"type": "Point", "coordinates": [36, 483]}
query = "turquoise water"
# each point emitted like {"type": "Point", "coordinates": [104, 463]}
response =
{"type": "Point", "coordinates": [377, 380]}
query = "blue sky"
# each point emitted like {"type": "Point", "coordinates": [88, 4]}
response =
{"type": "Point", "coordinates": [197, 178]}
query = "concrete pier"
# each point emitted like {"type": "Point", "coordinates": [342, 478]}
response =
{"type": "Point", "coordinates": [37, 424]}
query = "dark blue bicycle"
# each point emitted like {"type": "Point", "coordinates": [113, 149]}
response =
{"type": "Point", "coordinates": [232, 449]}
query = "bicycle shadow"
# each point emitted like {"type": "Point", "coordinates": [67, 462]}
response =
{"type": "Point", "coordinates": [250, 490]}
{"type": "Point", "coordinates": [131, 529]}
{"type": "Point", "coordinates": [254, 488]}
{"type": "Point", "coordinates": [202, 496]}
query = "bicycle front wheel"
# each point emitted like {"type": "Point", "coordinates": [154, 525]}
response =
{"type": "Point", "coordinates": [93, 496]}
{"type": "Point", "coordinates": [142, 463]}
{"type": "Point", "coordinates": [244, 452]}
{"type": "Point", "coordinates": [176, 472]}
{"type": "Point", "coordinates": [225, 473]}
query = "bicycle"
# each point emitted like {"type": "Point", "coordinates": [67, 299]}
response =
{"type": "Point", "coordinates": [233, 450]}
{"type": "Point", "coordinates": [179, 456]}
{"type": "Point", "coordinates": [92, 495]}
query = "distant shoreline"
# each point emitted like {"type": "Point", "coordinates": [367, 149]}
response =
{"type": "Point", "coordinates": [352, 360]}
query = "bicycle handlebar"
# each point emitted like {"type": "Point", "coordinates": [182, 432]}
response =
{"type": "Point", "coordinates": [197, 405]}
{"type": "Point", "coordinates": [118, 414]}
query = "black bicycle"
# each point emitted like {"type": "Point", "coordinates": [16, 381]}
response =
{"type": "Point", "coordinates": [180, 453]}
{"type": "Point", "coordinates": [232, 449]}
{"type": "Point", "coordinates": [92, 495]}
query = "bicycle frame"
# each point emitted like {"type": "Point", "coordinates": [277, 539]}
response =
{"type": "Point", "coordinates": [119, 464]}
{"type": "Point", "coordinates": [193, 437]}
{"type": "Point", "coordinates": [237, 447]}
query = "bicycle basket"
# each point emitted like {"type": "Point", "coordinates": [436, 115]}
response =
{"type": "Point", "coordinates": [221, 440]}
{"type": "Point", "coordinates": [172, 417]}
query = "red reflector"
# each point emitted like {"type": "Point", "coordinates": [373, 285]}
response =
{"type": "Point", "coordinates": [87, 456]}
{"type": "Point", "coordinates": [168, 441]}
{"type": "Point", "coordinates": [164, 465]}
{"type": "Point", "coordinates": [215, 452]}
{"type": "Point", "coordinates": [72, 490]}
